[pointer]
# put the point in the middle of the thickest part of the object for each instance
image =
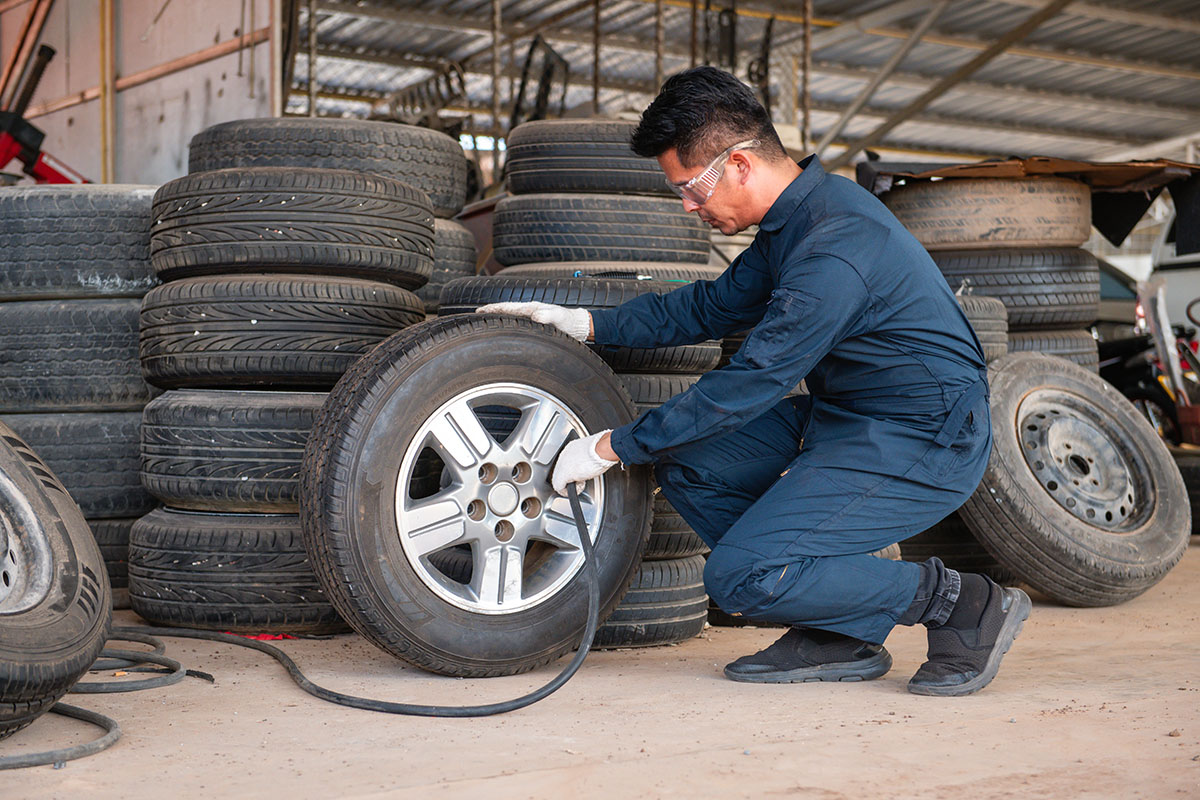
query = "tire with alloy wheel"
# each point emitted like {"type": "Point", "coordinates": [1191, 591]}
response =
{"type": "Point", "coordinates": [373, 531]}
{"type": "Point", "coordinates": [55, 599]}
{"type": "Point", "coordinates": [1080, 499]}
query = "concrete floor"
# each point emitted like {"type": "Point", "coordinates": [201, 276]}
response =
{"type": "Point", "coordinates": [1090, 703]}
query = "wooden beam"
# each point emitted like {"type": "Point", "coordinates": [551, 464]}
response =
{"type": "Point", "coordinates": [153, 73]}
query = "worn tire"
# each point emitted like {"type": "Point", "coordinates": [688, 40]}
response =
{"type": "Point", "coordinates": [355, 463]}
{"type": "Point", "coordinates": [463, 296]}
{"type": "Point", "coordinates": [1040, 288]}
{"type": "Point", "coordinates": [90, 240]}
{"type": "Point", "coordinates": [595, 227]}
{"type": "Point", "coordinates": [952, 541]}
{"type": "Point", "coordinates": [257, 330]}
{"type": "Point", "coordinates": [70, 355]}
{"type": "Point", "coordinates": [454, 256]}
{"type": "Point", "coordinates": [312, 221]}
{"type": "Point", "coordinates": [112, 536]}
{"type": "Point", "coordinates": [989, 320]}
{"type": "Point", "coordinates": [1077, 346]}
{"type": "Point", "coordinates": [988, 213]}
{"type": "Point", "coordinates": [665, 273]}
{"type": "Point", "coordinates": [96, 455]}
{"type": "Point", "coordinates": [651, 391]}
{"type": "Point", "coordinates": [1101, 444]}
{"type": "Point", "coordinates": [427, 160]}
{"type": "Point", "coordinates": [665, 604]}
{"type": "Point", "coordinates": [578, 155]}
{"type": "Point", "coordinates": [227, 572]}
{"type": "Point", "coordinates": [55, 600]}
{"type": "Point", "coordinates": [670, 535]}
{"type": "Point", "coordinates": [1189, 470]}
{"type": "Point", "coordinates": [227, 451]}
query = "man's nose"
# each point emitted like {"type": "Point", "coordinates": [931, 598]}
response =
{"type": "Point", "coordinates": [689, 206]}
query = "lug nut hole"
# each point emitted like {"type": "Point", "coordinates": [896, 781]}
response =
{"type": "Point", "coordinates": [531, 507]}
{"type": "Point", "coordinates": [476, 510]}
{"type": "Point", "coordinates": [487, 473]}
{"type": "Point", "coordinates": [522, 472]}
{"type": "Point", "coordinates": [504, 530]}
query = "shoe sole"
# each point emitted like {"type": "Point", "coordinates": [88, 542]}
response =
{"type": "Point", "coordinates": [868, 669]}
{"type": "Point", "coordinates": [1014, 621]}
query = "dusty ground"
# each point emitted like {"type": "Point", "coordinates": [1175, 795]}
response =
{"type": "Point", "coordinates": [1090, 703]}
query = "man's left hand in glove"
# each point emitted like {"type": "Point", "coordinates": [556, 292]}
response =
{"type": "Point", "coordinates": [583, 459]}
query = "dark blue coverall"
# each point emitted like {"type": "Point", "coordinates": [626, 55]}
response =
{"type": "Point", "coordinates": [793, 493]}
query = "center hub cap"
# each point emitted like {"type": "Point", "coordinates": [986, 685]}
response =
{"type": "Point", "coordinates": [503, 499]}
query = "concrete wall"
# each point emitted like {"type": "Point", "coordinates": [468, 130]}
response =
{"type": "Point", "coordinates": [154, 121]}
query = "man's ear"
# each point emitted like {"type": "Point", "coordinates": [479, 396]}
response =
{"type": "Point", "coordinates": [744, 166]}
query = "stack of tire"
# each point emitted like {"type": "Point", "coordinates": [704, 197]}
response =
{"type": "Point", "coordinates": [74, 263]}
{"type": "Point", "coordinates": [290, 249]}
{"type": "Point", "coordinates": [1067, 534]}
{"type": "Point", "coordinates": [590, 225]}
{"type": "Point", "coordinates": [1017, 240]}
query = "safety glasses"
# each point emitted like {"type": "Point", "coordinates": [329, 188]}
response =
{"type": "Point", "coordinates": [701, 187]}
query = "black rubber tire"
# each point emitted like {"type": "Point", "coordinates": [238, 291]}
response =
{"type": "Point", "coordinates": [579, 155]}
{"type": "Point", "coordinates": [425, 159]}
{"type": "Point", "coordinates": [349, 489]}
{"type": "Point", "coordinates": [247, 573]}
{"type": "Point", "coordinates": [463, 296]}
{"type": "Point", "coordinates": [70, 355]}
{"type": "Point", "coordinates": [989, 319]}
{"type": "Point", "coordinates": [1020, 521]}
{"type": "Point", "coordinates": [48, 637]}
{"type": "Point", "coordinates": [670, 535]}
{"type": "Point", "coordinates": [651, 391]}
{"type": "Point", "coordinates": [273, 219]}
{"type": "Point", "coordinates": [1077, 346]}
{"type": "Point", "coordinates": [1040, 288]}
{"type": "Point", "coordinates": [96, 455]}
{"type": "Point", "coordinates": [665, 273]}
{"type": "Point", "coordinates": [90, 240]}
{"type": "Point", "coordinates": [595, 227]}
{"type": "Point", "coordinates": [257, 330]}
{"type": "Point", "coordinates": [952, 541]}
{"type": "Point", "coordinates": [112, 536]}
{"type": "Point", "coordinates": [227, 451]}
{"type": "Point", "coordinates": [454, 256]}
{"type": "Point", "coordinates": [985, 213]}
{"type": "Point", "coordinates": [1189, 470]}
{"type": "Point", "coordinates": [665, 604]}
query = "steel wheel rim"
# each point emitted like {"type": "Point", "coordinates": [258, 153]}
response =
{"type": "Point", "coordinates": [493, 496]}
{"type": "Point", "coordinates": [26, 564]}
{"type": "Point", "coordinates": [1085, 460]}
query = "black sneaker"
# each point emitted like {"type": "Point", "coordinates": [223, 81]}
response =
{"type": "Point", "coordinates": [964, 660]}
{"type": "Point", "coordinates": [804, 655]}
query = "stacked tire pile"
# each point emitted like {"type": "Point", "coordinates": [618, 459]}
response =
{"type": "Point", "coordinates": [1017, 240]}
{"type": "Point", "coordinates": [289, 250]}
{"type": "Point", "coordinates": [74, 263]}
{"type": "Point", "coordinates": [1080, 499]}
{"type": "Point", "coordinates": [590, 225]}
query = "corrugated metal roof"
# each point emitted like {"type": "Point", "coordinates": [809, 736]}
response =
{"type": "Point", "coordinates": [1100, 77]}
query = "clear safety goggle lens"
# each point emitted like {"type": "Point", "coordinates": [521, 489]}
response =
{"type": "Point", "coordinates": [700, 188]}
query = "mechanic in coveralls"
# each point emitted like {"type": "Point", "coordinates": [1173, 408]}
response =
{"type": "Point", "coordinates": [793, 493]}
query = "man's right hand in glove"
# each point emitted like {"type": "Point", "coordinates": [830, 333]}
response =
{"type": "Point", "coordinates": [574, 322]}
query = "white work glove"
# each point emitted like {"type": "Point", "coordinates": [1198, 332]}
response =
{"type": "Point", "coordinates": [574, 322]}
{"type": "Point", "coordinates": [578, 462]}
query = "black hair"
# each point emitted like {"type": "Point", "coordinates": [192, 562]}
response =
{"type": "Point", "coordinates": [700, 112]}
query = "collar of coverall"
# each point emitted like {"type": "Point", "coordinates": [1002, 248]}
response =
{"type": "Point", "coordinates": [791, 198]}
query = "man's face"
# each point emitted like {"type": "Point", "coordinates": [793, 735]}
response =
{"type": "Point", "coordinates": [722, 209]}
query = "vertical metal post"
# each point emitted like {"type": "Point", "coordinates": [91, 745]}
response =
{"type": "Point", "coordinates": [277, 88]}
{"type": "Point", "coordinates": [312, 58]}
{"type": "Point", "coordinates": [495, 88]}
{"type": "Point", "coordinates": [658, 43]}
{"type": "Point", "coordinates": [805, 99]}
{"type": "Point", "coordinates": [596, 57]}
{"type": "Point", "coordinates": [695, 21]}
{"type": "Point", "coordinates": [252, 2]}
{"type": "Point", "coordinates": [108, 79]}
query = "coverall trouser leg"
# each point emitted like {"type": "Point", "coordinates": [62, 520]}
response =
{"type": "Point", "coordinates": [791, 526]}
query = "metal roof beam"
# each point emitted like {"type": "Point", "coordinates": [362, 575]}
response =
{"type": "Point", "coordinates": [1150, 149]}
{"type": "Point", "coordinates": [1122, 16]}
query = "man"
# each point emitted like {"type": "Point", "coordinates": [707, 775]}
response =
{"type": "Point", "coordinates": [793, 493]}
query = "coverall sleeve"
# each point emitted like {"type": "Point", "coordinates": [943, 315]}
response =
{"type": "Point", "coordinates": [822, 301]}
{"type": "Point", "coordinates": [692, 313]}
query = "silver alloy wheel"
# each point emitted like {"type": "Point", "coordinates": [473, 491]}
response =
{"type": "Point", "coordinates": [494, 496]}
{"type": "Point", "coordinates": [26, 565]}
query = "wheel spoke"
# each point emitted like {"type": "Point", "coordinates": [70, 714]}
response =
{"type": "Point", "coordinates": [459, 434]}
{"type": "Point", "coordinates": [541, 433]}
{"type": "Point", "coordinates": [559, 527]}
{"type": "Point", "coordinates": [497, 576]}
{"type": "Point", "coordinates": [433, 525]}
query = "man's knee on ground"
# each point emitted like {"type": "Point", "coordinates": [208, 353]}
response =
{"type": "Point", "coordinates": [742, 582]}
